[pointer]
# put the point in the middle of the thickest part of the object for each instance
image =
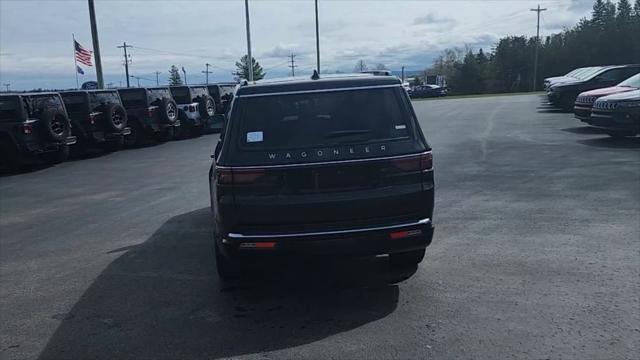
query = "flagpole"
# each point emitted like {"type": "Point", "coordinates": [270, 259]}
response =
{"type": "Point", "coordinates": [75, 62]}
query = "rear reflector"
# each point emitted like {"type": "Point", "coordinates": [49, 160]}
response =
{"type": "Point", "coordinates": [27, 129]}
{"type": "Point", "coordinates": [258, 245]}
{"type": "Point", "coordinates": [404, 234]}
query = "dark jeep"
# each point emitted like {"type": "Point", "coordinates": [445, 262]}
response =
{"type": "Point", "coordinates": [222, 94]}
{"type": "Point", "coordinates": [337, 165]}
{"type": "Point", "coordinates": [34, 124]}
{"type": "Point", "coordinates": [196, 107]}
{"type": "Point", "coordinates": [151, 113]}
{"type": "Point", "coordinates": [98, 118]}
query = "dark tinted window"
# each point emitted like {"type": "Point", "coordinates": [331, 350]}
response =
{"type": "Point", "coordinates": [181, 95]}
{"type": "Point", "coordinates": [74, 102]}
{"type": "Point", "coordinates": [155, 95]}
{"type": "Point", "coordinates": [199, 91]}
{"type": "Point", "coordinates": [133, 98]}
{"type": "Point", "coordinates": [9, 108]}
{"type": "Point", "coordinates": [323, 119]}
{"type": "Point", "coordinates": [101, 98]}
{"type": "Point", "coordinates": [40, 103]}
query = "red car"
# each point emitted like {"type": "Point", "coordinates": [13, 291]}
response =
{"type": "Point", "coordinates": [584, 101]}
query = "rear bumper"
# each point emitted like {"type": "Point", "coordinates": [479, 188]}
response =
{"type": "Point", "coordinates": [384, 239]}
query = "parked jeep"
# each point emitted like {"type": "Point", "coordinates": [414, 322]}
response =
{"type": "Point", "coordinates": [151, 113]}
{"type": "Point", "coordinates": [97, 117]}
{"type": "Point", "coordinates": [222, 94]}
{"type": "Point", "coordinates": [196, 108]}
{"type": "Point", "coordinates": [34, 124]}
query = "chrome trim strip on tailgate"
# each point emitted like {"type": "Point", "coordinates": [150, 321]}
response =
{"type": "Point", "coordinates": [337, 232]}
{"type": "Point", "coordinates": [325, 162]}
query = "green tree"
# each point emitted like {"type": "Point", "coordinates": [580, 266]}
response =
{"type": "Point", "coordinates": [242, 69]}
{"type": "Point", "coordinates": [624, 11]}
{"type": "Point", "coordinates": [636, 10]}
{"type": "Point", "coordinates": [174, 76]}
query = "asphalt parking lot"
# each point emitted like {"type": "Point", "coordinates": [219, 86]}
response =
{"type": "Point", "coordinates": [536, 255]}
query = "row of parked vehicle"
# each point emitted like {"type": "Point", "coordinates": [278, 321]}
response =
{"type": "Point", "coordinates": [606, 97]}
{"type": "Point", "coordinates": [50, 125]}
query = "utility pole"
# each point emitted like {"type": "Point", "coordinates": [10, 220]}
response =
{"type": "Point", "coordinates": [293, 65]}
{"type": "Point", "coordinates": [137, 78]}
{"type": "Point", "coordinates": [157, 78]}
{"type": "Point", "coordinates": [538, 10]}
{"type": "Point", "coordinates": [7, 85]}
{"type": "Point", "coordinates": [317, 40]}
{"type": "Point", "coordinates": [185, 75]}
{"type": "Point", "coordinates": [96, 44]}
{"type": "Point", "coordinates": [207, 72]}
{"type": "Point", "coordinates": [403, 74]}
{"type": "Point", "coordinates": [126, 60]}
{"type": "Point", "coordinates": [250, 58]}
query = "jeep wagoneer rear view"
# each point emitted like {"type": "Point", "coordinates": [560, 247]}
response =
{"type": "Point", "coordinates": [337, 165]}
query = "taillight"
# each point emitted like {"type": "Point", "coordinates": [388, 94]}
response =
{"type": "Point", "coordinates": [92, 119]}
{"type": "Point", "coordinates": [192, 108]}
{"type": "Point", "coordinates": [227, 176]}
{"type": "Point", "coordinates": [422, 162]}
{"type": "Point", "coordinates": [151, 111]}
{"type": "Point", "coordinates": [27, 129]}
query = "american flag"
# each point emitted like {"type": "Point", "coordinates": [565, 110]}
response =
{"type": "Point", "coordinates": [82, 55]}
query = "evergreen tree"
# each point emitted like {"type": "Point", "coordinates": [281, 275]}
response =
{"type": "Point", "coordinates": [597, 15]}
{"type": "Point", "coordinates": [636, 9]}
{"type": "Point", "coordinates": [624, 11]}
{"type": "Point", "coordinates": [174, 76]}
{"type": "Point", "coordinates": [242, 69]}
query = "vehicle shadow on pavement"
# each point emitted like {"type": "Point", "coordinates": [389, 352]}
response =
{"type": "Point", "coordinates": [162, 300]}
{"type": "Point", "coordinates": [584, 130]}
{"type": "Point", "coordinates": [611, 142]}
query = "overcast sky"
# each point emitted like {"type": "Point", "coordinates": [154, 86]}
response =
{"type": "Point", "coordinates": [36, 46]}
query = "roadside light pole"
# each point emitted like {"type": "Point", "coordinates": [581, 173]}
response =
{"type": "Point", "coordinates": [249, 57]}
{"type": "Point", "coordinates": [185, 75]}
{"type": "Point", "coordinates": [96, 44]}
{"type": "Point", "coordinates": [317, 40]}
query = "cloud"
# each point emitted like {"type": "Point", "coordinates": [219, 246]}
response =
{"type": "Point", "coordinates": [433, 20]}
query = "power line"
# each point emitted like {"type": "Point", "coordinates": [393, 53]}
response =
{"type": "Point", "coordinates": [293, 65]}
{"type": "Point", "coordinates": [127, 60]}
{"type": "Point", "coordinates": [538, 10]}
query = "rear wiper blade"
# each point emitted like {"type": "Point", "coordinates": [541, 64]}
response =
{"type": "Point", "coordinates": [341, 133]}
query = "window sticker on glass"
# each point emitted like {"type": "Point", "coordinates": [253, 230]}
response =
{"type": "Point", "coordinates": [254, 136]}
{"type": "Point", "coordinates": [401, 127]}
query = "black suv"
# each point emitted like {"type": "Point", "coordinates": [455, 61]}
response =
{"type": "Point", "coordinates": [222, 94]}
{"type": "Point", "coordinates": [618, 114]}
{"type": "Point", "coordinates": [196, 108]}
{"type": "Point", "coordinates": [98, 118]}
{"type": "Point", "coordinates": [34, 124]}
{"type": "Point", "coordinates": [151, 112]}
{"type": "Point", "coordinates": [564, 94]}
{"type": "Point", "coordinates": [337, 165]}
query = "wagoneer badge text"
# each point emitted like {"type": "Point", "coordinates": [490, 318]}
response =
{"type": "Point", "coordinates": [327, 153]}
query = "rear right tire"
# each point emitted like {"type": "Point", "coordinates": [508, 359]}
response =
{"type": "Point", "coordinates": [56, 157]}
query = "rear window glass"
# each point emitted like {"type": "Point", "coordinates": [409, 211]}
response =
{"type": "Point", "coordinates": [132, 98]}
{"type": "Point", "coordinates": [323, 119]}
{"type": "Point", "coordinates": [9, 108]}
{"type": "Point", "coordinates": [199, 92]}
{"type": "Point", "coordinates": [155, 95]}
{"type": "Point", "coordinates": [181, 95]}
{"type": "Point", "coordinates": [99, 98]}
{"type": "Point", "coordinates": [39, 103]}
{"type": "Point", "coordinates": [74, 102]}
